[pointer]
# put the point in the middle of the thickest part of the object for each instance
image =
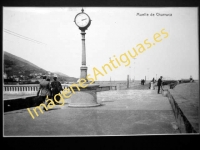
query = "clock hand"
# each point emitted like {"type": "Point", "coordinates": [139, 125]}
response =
{"type": "Point", "coordinates": [84, 19]}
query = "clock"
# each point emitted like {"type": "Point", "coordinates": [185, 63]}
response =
{"type": "Point", "coordinates": [82, 20]}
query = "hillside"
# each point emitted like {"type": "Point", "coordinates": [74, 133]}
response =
{"type": "Point", "coordinates": [14, 65]}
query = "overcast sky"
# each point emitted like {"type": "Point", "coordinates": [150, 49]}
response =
{"type": "Point", "coordinates": [49, 38]}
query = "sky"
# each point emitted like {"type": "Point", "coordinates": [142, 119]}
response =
{"type": "Point", "coordinates": [49, 38]}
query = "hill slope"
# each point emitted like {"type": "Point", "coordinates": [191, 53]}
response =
{"type": "Point", "coordinates": [14, 65]}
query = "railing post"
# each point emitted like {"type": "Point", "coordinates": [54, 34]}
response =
{"type": "Point", "coordinates": [127, 81]}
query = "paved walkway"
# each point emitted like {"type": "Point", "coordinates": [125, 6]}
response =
{"type": "Point", "coordinates": [125, 112]}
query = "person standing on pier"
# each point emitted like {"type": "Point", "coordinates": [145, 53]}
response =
{"type": "Point", "coordinates": [44, 89]}
{"type": "Point", "coordinates": [159, 84]}
{"type": "Point", "coordinates": [153, 80]}
{"type": "Point", "coordinates": [56, 87]}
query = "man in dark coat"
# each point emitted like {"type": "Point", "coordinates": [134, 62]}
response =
{"type": "Point", "coordinates": [56, 88]}
{"type": "Point", "coordinates": [159, 84]}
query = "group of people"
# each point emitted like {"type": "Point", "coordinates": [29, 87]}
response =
{"type": "Point", "coordinates": [142, 82]}
{"type": "Point", "coordinates": [50, 89]}
{"type": "Point", "coordinates": [159, 83]}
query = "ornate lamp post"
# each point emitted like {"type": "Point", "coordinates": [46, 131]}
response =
{"type": "Point", "coordinates": [83, 21]}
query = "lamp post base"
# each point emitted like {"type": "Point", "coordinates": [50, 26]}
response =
{"type": "Point", "coordinates": [83, 72]}
{"type": "Point", "coordinates": [86, 97]}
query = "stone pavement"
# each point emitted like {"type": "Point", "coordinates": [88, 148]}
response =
{"type": "Point", "coordinates": [124, 112]}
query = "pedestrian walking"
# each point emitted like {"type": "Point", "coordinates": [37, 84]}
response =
{"type": "Point", "coordinates": [44, 90]}
{"type": "Point", "coordinates": [159, 84]}
{"type": "Point", "coordinates": [56, 88]}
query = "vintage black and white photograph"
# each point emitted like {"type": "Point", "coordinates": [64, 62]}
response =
{"type": "Point", "coordinates": [100, 71]}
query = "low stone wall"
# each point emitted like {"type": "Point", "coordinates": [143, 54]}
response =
{"type": "Point", "coordinates": [21, 103]}
{"type": "Point", "coordinates": [185, 124]}
{"type": "Point", "coordinates": [106, 88]}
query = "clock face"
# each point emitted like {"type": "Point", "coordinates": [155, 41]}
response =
{"type": "Point", "coordinates": [82, 20]}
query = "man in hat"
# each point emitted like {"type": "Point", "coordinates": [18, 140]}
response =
{"type": "Point", "coordinates": [56, 88]}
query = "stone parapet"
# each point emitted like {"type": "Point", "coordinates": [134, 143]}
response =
{"type": "Point", "coordinates": [186, 114]}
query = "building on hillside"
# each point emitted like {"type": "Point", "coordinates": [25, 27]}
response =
{"type": "Point", "coordinates": [5, 76]}
{"type": "Point", "coordinates": [36, 79]}
{"type": "Point", "coordinates": [16, 79]}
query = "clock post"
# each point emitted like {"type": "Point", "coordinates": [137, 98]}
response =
{"type": "Point", "coordinates": [83, 21]}
{"type": "Point", "coordinates": [83, 67]}
{"type": "Point", "coordinates": [86, 96]}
